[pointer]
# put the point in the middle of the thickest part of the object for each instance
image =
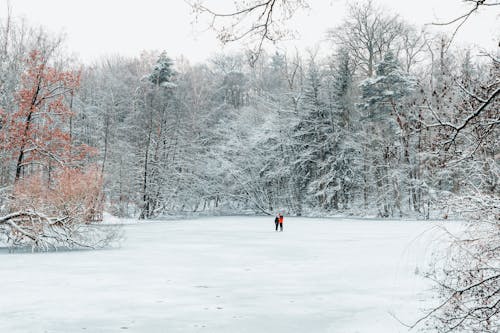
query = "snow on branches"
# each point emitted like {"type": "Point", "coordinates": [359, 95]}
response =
{"type": "Point", "coordinates": [467, 276]}
{"type": "Point", "coordinates": [54, 197]}
{"type": "Point", "coordinates": [35, 230]}
{"type": "Point", "coordinates": [61, 215]}
{"type": "Point", "coordinates": [253, 21]}
{"type": "Point", "coordinates": [36, 133]}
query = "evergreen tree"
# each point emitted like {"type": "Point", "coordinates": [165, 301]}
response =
{"type": "Point", "coordinates": [312, 136]}
{"type": "Point", "coordinates": [159, 132]}
{"type": "Point", "coordinates": [383, 93]}
{"type": "Point", "coordinates": [387, 124]}
{"type": "Point", "coordinates": [338, 173]}
{"type": "Point", "coordinates": [162, 72]}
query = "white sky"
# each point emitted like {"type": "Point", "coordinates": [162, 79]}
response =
{"type": "Point", "coordinates": [95, 28]}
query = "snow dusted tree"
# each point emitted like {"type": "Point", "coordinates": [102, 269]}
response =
{"type": "Point", "coordinates": [47, 218]}
{"type": "Point", "coordinates": [308, 136]}
{"type": "Point", "coordinates": [198, 184]}
{"type": "Point", "coordinates": [183, 148]}
{"type": "Point", "coordinates": [36, 129]}
{"type": "Point", "coordinates": [383, 93]}
{"type": "Point", "coordinates": [17, 40]}
{"type": "Point", "coordinates": [384, 96]}
{"type": "Point", "coordinates": [340, 171]}
{"type": "Point", "coordinates": [277, 83]}
{"type": "Point", "coordinates": [367, 34]}
{"type": "Point", "coordinates": [412, 45]}
{"type": "Point", "coordinates": [105, 119]}
{"type": "Point", "coordinates": [323, 161]}
{"type": "Point", "coordinates": [162, 72]}
{"type": "Point", "coordinates": [53, 196]}
{"type": "Point", "coordinates": [467, 277]}
{"type": "Point", "coordinates": [154, 101]}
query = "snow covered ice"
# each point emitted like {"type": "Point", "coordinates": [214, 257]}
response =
{"type": "Point", "coordinates": [226, 274]}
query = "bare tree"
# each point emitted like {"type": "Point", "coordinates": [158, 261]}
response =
{"type": "Point", "coordinates": [474, 7]}
{"type": "Point", "coordinates": [467, 278]}
{"type": "Point", "coordinates": [367, 34]}
{"type": "Point", "coordinates": [255, 21]}
{"type": "Point", "coordinates": [413, 47]}
{"type": "Point", "coordinates": [258, 21]}
{"type": "Point", "coordinates": [481, 118]}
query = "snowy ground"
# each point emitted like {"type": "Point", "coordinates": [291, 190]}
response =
{"type": "Point", "coordinates": [229, 274]}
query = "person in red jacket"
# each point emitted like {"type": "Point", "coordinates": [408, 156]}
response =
{"type": "Point", "coordinates": [280, 220]}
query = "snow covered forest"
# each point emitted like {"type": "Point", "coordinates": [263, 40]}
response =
{"type": "Point", "coordinates": [391, 121]}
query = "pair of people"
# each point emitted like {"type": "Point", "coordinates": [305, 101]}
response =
{"type": "Point", "coordinates": [279, 221]}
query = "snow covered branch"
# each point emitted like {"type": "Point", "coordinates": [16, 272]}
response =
{"type": "Point", "coordinates": [35, 230]}
{"type": "Point", "coordinates": [475, 5]}
{"type": "Point", "coordinates": [468, 277]}
{"type": "Point", "coordinates": [255, 21]}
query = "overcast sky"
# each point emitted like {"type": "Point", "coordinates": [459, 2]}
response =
{"type": "Point", "coordinates": [95, 28]}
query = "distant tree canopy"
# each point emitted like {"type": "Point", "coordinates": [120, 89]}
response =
{"type": "Point", "coordinates": [258, 21]}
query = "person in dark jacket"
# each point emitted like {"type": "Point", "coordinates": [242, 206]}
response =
{"type": "Point", "coordinates": [277, 221]}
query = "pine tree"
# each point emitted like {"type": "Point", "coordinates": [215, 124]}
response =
{"type": "Point", "coordinates": [337, 175]}
{"type": "Point", "coordinates": [384, 93]}
{"type": "Point", "coordinates": [387, 125]}
{"type": "Point", "coordinates": [155, 103]}
{"type": "Point", "coordinates": [162, 72]}
{"type": "Point", "coordinates": [312, 138]}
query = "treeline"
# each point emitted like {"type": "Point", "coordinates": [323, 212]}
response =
{"type": "Point", "coordinates": [377, 127]}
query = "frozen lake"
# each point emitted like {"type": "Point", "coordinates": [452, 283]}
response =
{"type": "Point", "coordinates": [229, 274]}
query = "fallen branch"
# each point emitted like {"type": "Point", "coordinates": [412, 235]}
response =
{"type": "Point", "coordinates": [35, 230]}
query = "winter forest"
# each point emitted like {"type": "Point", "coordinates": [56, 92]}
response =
{"type": "Point", "coordinates": [393, 121]}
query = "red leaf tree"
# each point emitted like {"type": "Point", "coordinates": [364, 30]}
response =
{"type": "Point", "coordinates": [55, 194]}
{"type": "Point", "coordinates": [38, 131]}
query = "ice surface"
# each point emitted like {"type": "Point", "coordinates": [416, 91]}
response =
{"type": "Point", "coordinates": [226, 274]}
